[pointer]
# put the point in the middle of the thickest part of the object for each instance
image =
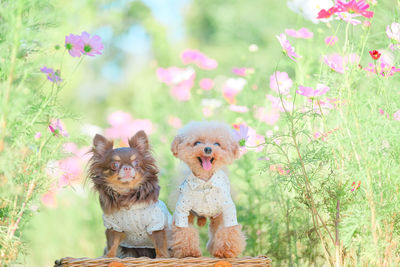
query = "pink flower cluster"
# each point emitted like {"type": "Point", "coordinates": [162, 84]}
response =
{"type": "Point", "coordinates": [280, 82]}
{"type": "Point", "coordinates": [231, 88]}
{"type": "Point", "coordinates": [242, 71]}
{"type": "Point", "coordinates": [248, 138]}
{"type": "Point", "coordinates": [384, 67]}
{"type": "Point", "coordinates": [311, 93]}
{"type": "Point", "coordinates": [84, 44]}
{"type": "Point", "coordinates": [340, 63]}
{"type": "Point", "coordinates": [353, 6]}
{"type": "Point", "coordinates": [66, 171]}
{"type": "Point", "coordinates": [201, 60]}
{"type": "Point", "coordinates": [123, 126]}
{"type": "Point", "coordinates": [180, 81]}
{"type": "Point", "coordinates": [303, 33]}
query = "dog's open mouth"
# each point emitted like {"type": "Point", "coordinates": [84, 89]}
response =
{"type": "Point", "coordinates": [206, 162]}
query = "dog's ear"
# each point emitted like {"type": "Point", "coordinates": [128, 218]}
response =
{"type": "Point", "coordinates": [235, 149]}
{"type": "Point", "coordinates": [140, 141]}
{"type": "Point", "coordinates": [175, 145]}
{"type": "Point", "coordinates": [101, 145]}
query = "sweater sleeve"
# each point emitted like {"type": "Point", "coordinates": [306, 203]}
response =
{"type": "Point", "coordinates": [110, 222]}
{"type": "Point", "coordinates": [182, 210]}
{"type": "Point", "coordinates": [156, 220]}
{"type": "Point", "coordinates": [229, 213]}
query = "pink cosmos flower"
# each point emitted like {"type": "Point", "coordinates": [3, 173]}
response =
{"type": "Point", "coordinates": [366, 23]}
{"type": "Point", "coordinates": [206, 84]}
{"type": "Point", "coordinates": [231, 88]}
{"type": "Point", "coordinates": [311, 93]}
{"type": "Point", "coordinates": [280, 105]}
{"type": "Point", "coordinates": [209, 106]}
{"type": "Point", "coordinates": [180, 80]}
{"type": "Point", "coordinates": [393, 31]}
{"type": "Point", "coordinates": [92, 45]}
{"type": "Point", "coordinates": [331, 40]}
{"type": "Point", "coordinates": [396, 115]}
{"type": "Point", "coordinates": [174, 122]}
{"type": "Point", "coordinates": [255, 140]}
{"type": "Point", "coordinates": [241, 134]}
{"type": "Point", "coordinates": [270, 116]}
{"type": "Point", "coordinates": [74, 45]}
{"type": "Point", "coordinates": [239, 109]}
{"type": "Point", "coordinates": [287, 47]}
{"type": "Point", "coordinates": [49, 199]}
{"type": "Point", "coordinates": [71, 169]}
{"type": "Point", "coordinates": [38, 135]}
{"type": "Point", "coordinates": [280, 82]}
{"type": "Point", "coordinates": [348, 17]}
{"type": "Point", "coordinates": [53, 76]}
{"type": "Point", "coordinates": [324, 14]}
{"type": "Point", "coordinates": [303, 33]}
{"type": "Point", "coordinates": [201, 60]}
{"type": "Point", "coordinates": [181, 92]}
{"type": "Point", "coordinates": [338, 63]}
{"type": "Point", "coordinates": [57, 128]}
{"type": "Point", "coordinates": [123, 126]}
{"type": "Point", "coordinates": [242, 71]}
{"type": "Point", "coordinates": [359, 7]}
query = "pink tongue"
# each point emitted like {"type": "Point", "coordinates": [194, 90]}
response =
{"type": "Point", "coordinates": [206, 163]}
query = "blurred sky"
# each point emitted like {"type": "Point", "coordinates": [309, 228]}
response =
{"type": "Point", "coordinates": [137, 41]}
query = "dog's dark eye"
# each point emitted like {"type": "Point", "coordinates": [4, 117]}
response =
{"type": "Point", "coordinates": [197, 143]}
{"type": "Point", "coordinates": [134, 163]}
{"type": "Point", "coordinates": [114, 165]}
{"type": "Point", "coordinates": [217, 144]}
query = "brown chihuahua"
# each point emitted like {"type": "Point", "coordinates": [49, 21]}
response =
{"type": "Point", "coordinates": [137, 221]}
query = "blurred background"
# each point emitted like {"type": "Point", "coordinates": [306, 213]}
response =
{"type": "Point", "coordinates": [124, 90]}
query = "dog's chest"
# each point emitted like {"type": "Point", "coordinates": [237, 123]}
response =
{"type": "Point", "coordinates": [207, 198]}
{"type": "Point", "coordinates": [138, 222]}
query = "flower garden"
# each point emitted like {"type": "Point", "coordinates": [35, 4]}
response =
{"type": "Point", "coordinates": [311, 89]}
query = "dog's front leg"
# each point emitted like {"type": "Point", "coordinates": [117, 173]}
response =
{"type": "Point", "coordinates": [113, 240]}
{"type": "Point", "coordinates": [160, 243]}
{"type": "Point", "coordinates": [185, 242]}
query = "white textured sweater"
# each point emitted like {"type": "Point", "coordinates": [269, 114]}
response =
{"type": "Point", "coordinates": [138, 222]}
{"type": "Point", "coordinates": [206, 198]}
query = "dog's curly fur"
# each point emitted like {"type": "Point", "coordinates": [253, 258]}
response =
{"type": "Point", "coordinates": [224, 242]}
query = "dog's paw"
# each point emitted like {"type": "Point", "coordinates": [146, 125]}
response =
{"type": "Point", "coordinates": [228, 242]}
{"type": "Point", "coordinates": [188, 251]}
{"type": "Point", "coordinates": [185, 242]}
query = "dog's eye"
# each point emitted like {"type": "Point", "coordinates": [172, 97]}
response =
{"type": "Point", "coordinates": [217, 144]}
{"type": "Point", "coordinates": [134, 163]}
{"type": "Point", "coordinates": [114, 165]}
{"type": "Point", "coordinates": [197, 143]}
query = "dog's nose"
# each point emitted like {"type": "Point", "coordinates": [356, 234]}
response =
{"type": "Point", "coordinates": [127, 168]}
{"type": "Point", "coordinates": [207, 150]}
